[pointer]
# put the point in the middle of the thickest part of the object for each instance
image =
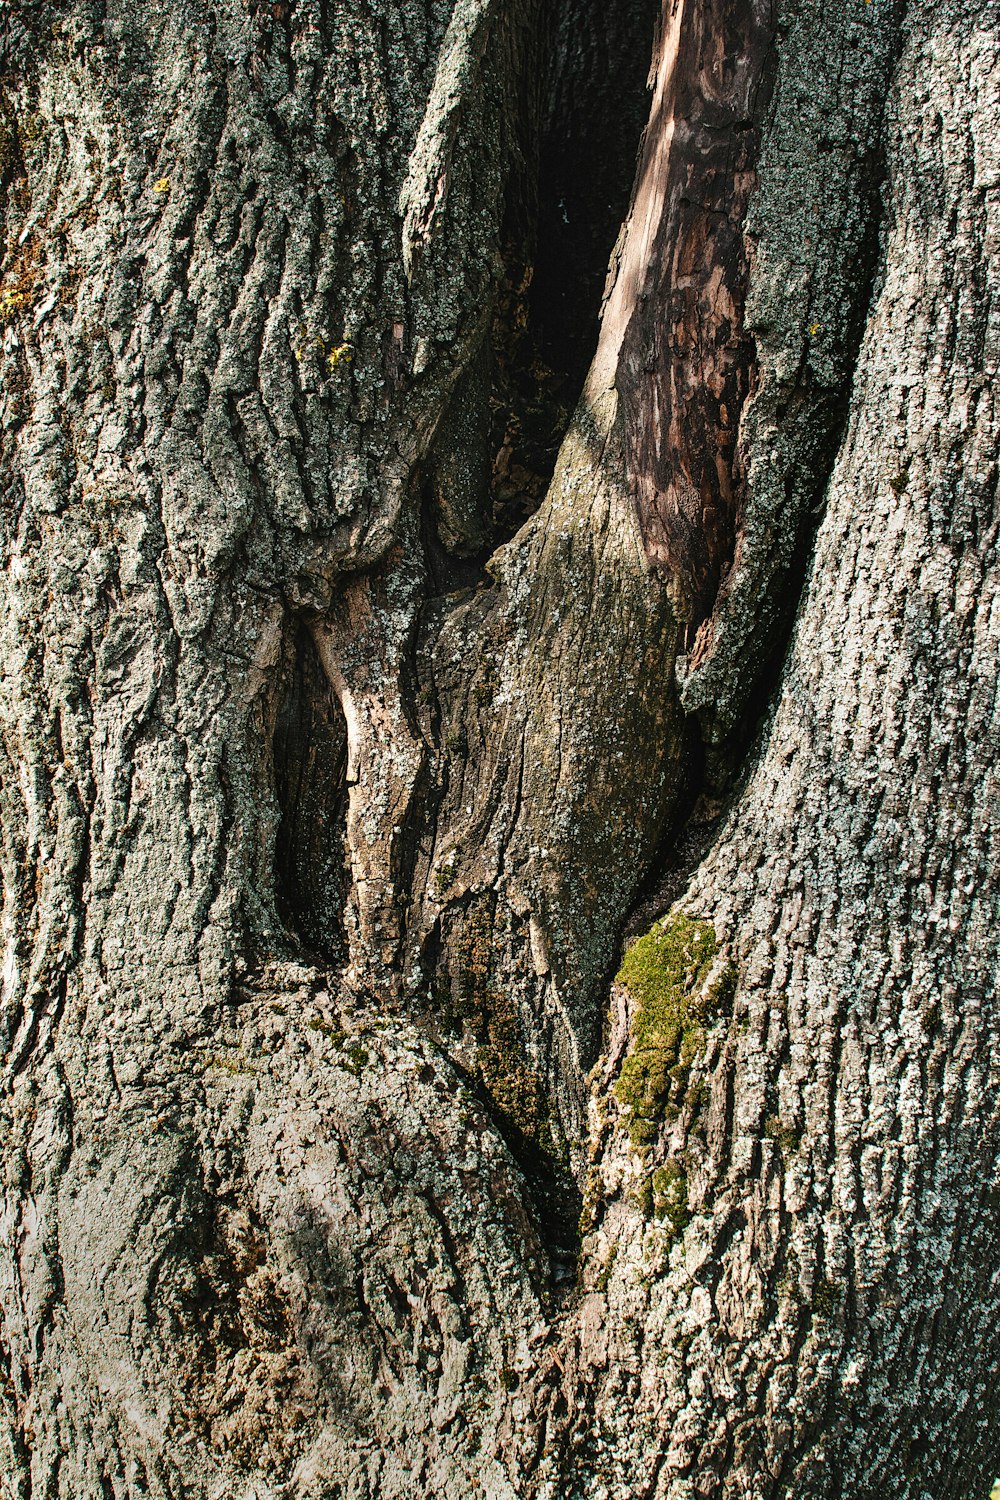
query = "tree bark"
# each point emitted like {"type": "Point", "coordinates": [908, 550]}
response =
{"type": "Point", "coordinates": [361, 688]}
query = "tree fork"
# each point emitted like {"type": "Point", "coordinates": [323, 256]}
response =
{"type": "Point", "coordinates": [335, 754]}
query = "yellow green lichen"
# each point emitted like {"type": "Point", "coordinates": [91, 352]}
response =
{"type": "Point", "coordinates": [667, 972]}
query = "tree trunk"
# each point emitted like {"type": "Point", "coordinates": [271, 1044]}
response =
{"type": "Point", "coordinates": [364, 683]}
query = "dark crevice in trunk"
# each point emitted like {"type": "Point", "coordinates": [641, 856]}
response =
{"type": "Point", "coordinates": [558, 238]}
{"type": "Point", "coordinates": [682, 845]}
{"type": "Point", "coordinates": [496, 450]}
{"type": "Point", "coordinates": [312, 875]}
{"type": "Point", "coordinates": [597, 109]}
{"type": "Point", "coordinates": [718, 766]}
{"type": "Point", "coordinates": [555, 1197]}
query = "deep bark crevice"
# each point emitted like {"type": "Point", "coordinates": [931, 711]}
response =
{"type": "Point", "coordinates": [312, 874]}
{"type": "Point", "coordinates": [477, 1024]}
{"type": "Point", "coordinates": [496, 450]}
{"type": "Point", "coordinates": [683, 845]}
{"type": "Point", "coordinates": [598, 104]}
{"type": "Point", "coordinates": [554, 1197]}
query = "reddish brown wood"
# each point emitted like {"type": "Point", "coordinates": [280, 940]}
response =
{"type": "Point", "coordinates": [686, 364]}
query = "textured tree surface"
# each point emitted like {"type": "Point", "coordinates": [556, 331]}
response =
{"type": "Point", "coordinates": [366, 688]}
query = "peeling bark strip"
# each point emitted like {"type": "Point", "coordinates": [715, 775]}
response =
{"type": "Point", "coordinates": [686, 365]}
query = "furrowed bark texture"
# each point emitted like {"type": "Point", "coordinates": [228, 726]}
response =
{"type": "Point", "coordinates": [328, 786]}
{"type": "Point", "coordinates": [819, 1315]}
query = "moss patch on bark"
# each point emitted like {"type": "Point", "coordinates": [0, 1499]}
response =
{"type": "Point", "coordinates": [670, 973]}
{"type": "Point", "coordinates": [664, 1196]}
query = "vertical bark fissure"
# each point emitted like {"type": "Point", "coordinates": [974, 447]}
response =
{"type": "Point", "coordinates": [310, 769]}
{"type": "Point", "coordinates": [810, 289]}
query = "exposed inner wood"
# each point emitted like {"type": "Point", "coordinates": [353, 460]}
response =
{"type": "Point", "coordinates": [673, 340]}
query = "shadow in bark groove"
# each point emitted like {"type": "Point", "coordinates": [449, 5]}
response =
{"type": "Point", "coordinates": [496, 450]}
{"type": "Point", "coordinates": [554, 1195]}
{"type": "Point", "coordinates": [821, 419]}
{"type": "Point", "coordinates": [312, 874]}
{"type": "Point", "coordinates": [476, 1024]}
{"type": "Point", "coordinates": [596, 111]}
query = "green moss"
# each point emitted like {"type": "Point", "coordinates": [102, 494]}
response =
{"type": "Point", "coordinates": [592, 1194]}
{"type": "Point", "coordinates": [698, 1097]}
{"type": "Point", "coordinates": [21, 279]}
{"type": "Point", "coordinates": [664, 1196]}
{"type": "Point", "coordinates": [8, 147]}
{"type": "Point", "coordinates": [354, 1058]}
{"type": "Point", "coordinates": [603, 1278]}
{"type": "Point", "coordinates": [235, 1066]}
{"type": "Point", "coordinates": [444, 878]}
{"type": "Point", "coordinates": [667, 971]}
{"type": "Point", "coordinates": [335, 1034]}
{"type": "Point", "coordinates": [659, 966]}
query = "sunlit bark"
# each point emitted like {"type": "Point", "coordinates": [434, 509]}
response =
{"type": "Point", "coordinates": [365, 682]}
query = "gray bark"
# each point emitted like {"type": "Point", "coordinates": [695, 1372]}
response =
{"type": "Point", "coordinates": [338, 748]}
